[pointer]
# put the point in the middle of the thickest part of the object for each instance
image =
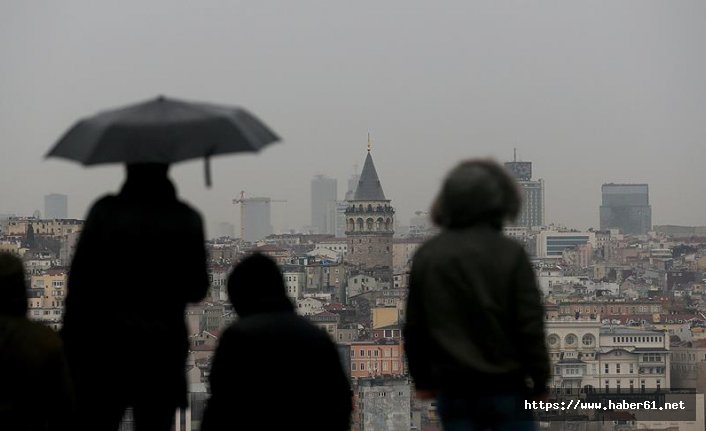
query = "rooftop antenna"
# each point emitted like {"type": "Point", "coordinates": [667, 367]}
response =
{"type": "Point", "coordinates": [514, 154]}
{"type": "Point", "coordinates": [369, 142]}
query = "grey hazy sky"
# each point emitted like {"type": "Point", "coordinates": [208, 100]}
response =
{"type": "Point", "coordinates": [591, 92]}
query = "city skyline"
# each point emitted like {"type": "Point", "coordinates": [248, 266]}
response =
{"type": "Point", "coordinates": [215, 226]}
{"type": "Point", "coordinates": [608, 92]}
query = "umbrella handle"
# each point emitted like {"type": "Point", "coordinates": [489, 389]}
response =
{"type": "Point", "coordinates": [207, 170]}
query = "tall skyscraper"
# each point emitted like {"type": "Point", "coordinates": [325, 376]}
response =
{"type": "Point", "coordinates": [324, 192]}
{"type": "Point", "coordinates": [370, 223]}
{"type": "Point", "coordinates": [55, 206]}
{"type": "Point", "coordinates": [532, 211]}
{"type": "Point", "coordinates": [255, 218]}
{"type": "Point", "coordinates": [626, 207]}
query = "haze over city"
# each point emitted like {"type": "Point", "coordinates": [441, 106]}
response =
{"type": "Point", "coordinates": [589, 92]}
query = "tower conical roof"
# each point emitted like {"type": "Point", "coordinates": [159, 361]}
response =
{"type": "Point", "coordinates": [369, 187]}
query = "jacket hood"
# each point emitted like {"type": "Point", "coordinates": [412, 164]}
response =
{"type": "Point", "coordinates": [476, 191]}
{"type": "Point", "coordinates": [256, 286]}
{"type": "Point", "coordinates": [148, 181]}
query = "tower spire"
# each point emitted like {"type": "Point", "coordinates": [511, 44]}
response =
{"type": "Point", "coordinates": [369, 142]}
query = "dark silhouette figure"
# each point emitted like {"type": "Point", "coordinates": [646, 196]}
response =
{"type": "Point", "coordinates": [35, 392]}
{"type": "Point", "coordinates": [475, 331]}
{"type": "Point", "coordinates": [274, 369]}
{"type": "Point", "coordinates": [139, 260]}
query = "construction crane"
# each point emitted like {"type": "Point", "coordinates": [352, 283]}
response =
{"type": "Point", "coordinates": [242, 200]}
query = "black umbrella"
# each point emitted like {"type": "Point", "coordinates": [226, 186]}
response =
{"type": "Point", "coordinates": [163, 131]}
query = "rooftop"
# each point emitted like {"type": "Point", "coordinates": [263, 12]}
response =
{"type": "Point", "coordinates": [369, 187]}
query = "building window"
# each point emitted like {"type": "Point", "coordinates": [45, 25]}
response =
{"type": "Point", "coordinates": [606, 369]}
{"type": "Point", "coordinates": [553, 340]}
{"type": "Point", "coordinates": [617, 368]}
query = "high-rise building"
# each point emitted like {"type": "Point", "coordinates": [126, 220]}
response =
{"type": "Point", "coordinates": [324, 192]}
{"type": "Point", "coordinates": [55, 206]}
{"type": "Point", "coordinates": [532, 211]}
{"type": "Point", "coordinates": [626, 207]}
{"type": "Point", "coordinates": [369, 222]}
{"type": "Point", "coordinates": [255, 223]}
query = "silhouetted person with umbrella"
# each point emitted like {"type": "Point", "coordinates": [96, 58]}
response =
{"type": "Point", "coordinates": [273, 369]}
{"type": "Point", "coordinates": [474, 332]}
{"type": "Point", "coordinates": [35, 392]}
{"type": "Point", "coordinates": [138, 262]}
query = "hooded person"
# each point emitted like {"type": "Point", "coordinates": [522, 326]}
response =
{"type": "Point", "coordinates": [36, 392]}
{"type": "Point", "coordinates": [474, 330]}
{"type": "Point", "coordinates": [140, 259]}
{"type": "Point", "coordinates": [273, 369]}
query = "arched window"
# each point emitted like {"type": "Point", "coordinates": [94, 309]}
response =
{"type": "Point", "coordinates": [359, 224]}
{"type": "Point", "coordinates": [553, 340]}
{"type": "Point", "coordinates": [369, 224]}
{"type": "Point", "coordinates": [570, 339]}
{"type": "Point", "coordinates": [587, 340]}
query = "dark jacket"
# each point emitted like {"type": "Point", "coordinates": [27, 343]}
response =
{"type": "Point", "coordinates": [474, 321]}
{"type": "Point", "coordinates": [35, 391]}
{"type": "Point", "coordinates": [274, 370]}
{"type": "Point", "coordinates": [139, 260]}
{"type": "Point", "coordinates": [277, 371]}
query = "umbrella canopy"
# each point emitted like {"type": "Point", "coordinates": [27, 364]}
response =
{"type": "Point", "coordinates": [163, 131]}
